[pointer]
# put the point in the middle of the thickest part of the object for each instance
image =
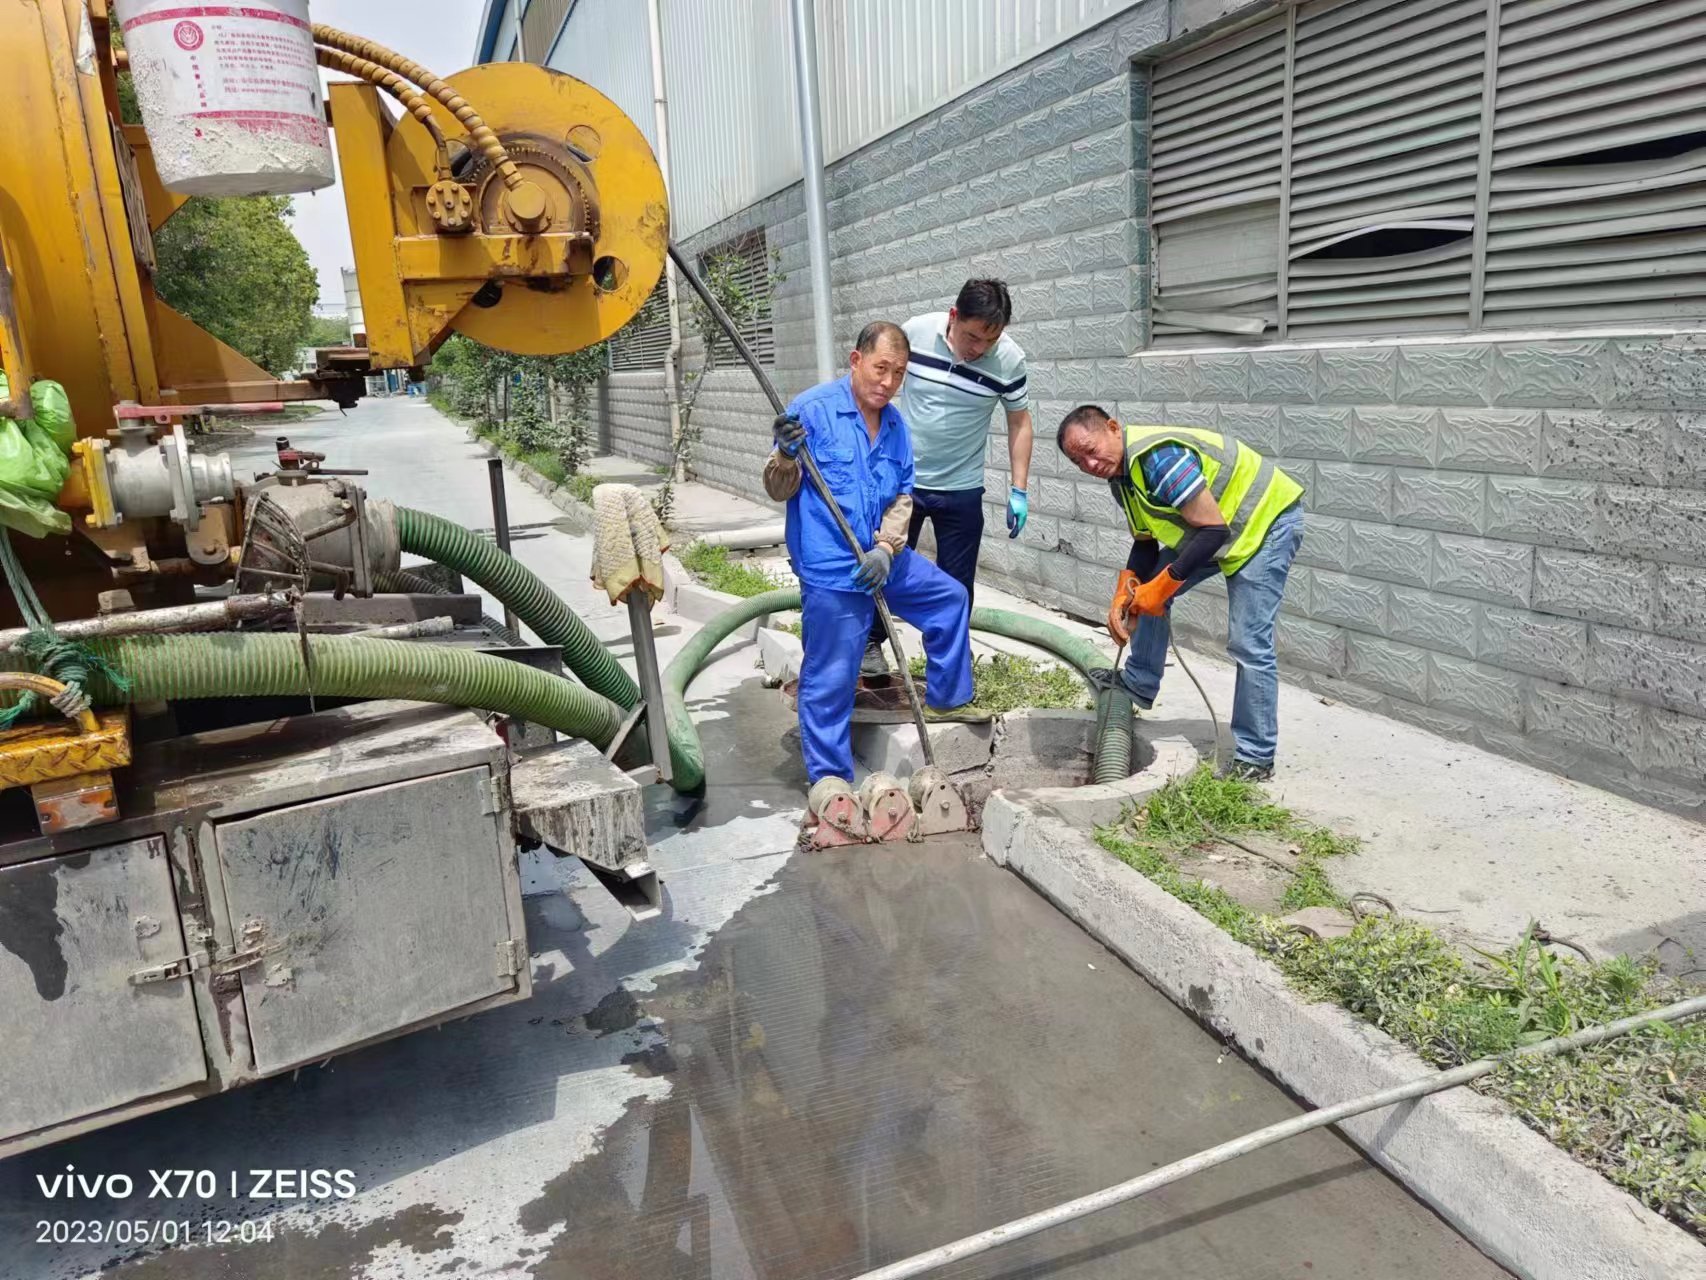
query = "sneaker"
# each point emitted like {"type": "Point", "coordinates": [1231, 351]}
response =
{"type": "Point", "coordinates": [1248, 771]}
{"type": "Point", "coordinates": [875, 662]}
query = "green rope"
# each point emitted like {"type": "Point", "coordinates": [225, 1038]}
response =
{"type": "Point", "coordinates": [66, 661]}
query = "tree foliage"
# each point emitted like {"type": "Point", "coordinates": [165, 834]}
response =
{"type": "Point", "coordinates": [235, 267]}
{"type": "Point", "coordinates": [508, 396]}
{"type": "Point", "coordinates": [327, 331]}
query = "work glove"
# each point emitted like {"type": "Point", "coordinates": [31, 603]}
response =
{"type": "Point", "coordinates": [1152, 596]}
{"type": "Point", "coordinates": [789, 434]}
{"type": "Point", "coordinates": [1018, 511]}
{"type": "Point", "coordinates": [874, 568]}
{"type": "Point", "coordinates": [1125, 596]}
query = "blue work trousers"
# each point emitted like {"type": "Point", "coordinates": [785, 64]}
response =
{"type": "Point", "coordinates": [957, 515]}
{"type": "Point", "coordinates": [834, 627]}
{"type": "Point", "coordinates": [1253, 596]}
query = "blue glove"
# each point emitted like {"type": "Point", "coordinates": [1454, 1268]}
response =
{"type": "Point", "coordinates": [873, 568]}
{"type": "Point", "coordinates": [1018, 511]}
{"type": "Point", "coordinates": [788, 433]}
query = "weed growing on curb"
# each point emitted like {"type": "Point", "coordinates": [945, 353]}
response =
{"type": "Point", "coordinates": [713, 567]}
{"type": "Point", "coordinates": [580, 487]}
{"type": "Point", "coordinates": [1007, 682]}
{"type": "Point", "coordinates": [1634, 1108]}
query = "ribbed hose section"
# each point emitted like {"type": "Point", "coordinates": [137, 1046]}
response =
{"type": "Point", "coordinates": [520, 589]}
{"type": "Point", "coordinates": [686, 753]}
{"type": "Point", "coordinates": [239, 665]}
{"type": "Point", "coordinates": [1113, 734]}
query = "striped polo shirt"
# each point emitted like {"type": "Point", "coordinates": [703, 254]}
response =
{"type": "Point", "coordinates": [948, 404]}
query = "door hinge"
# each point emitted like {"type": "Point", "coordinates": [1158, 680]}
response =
{"type": "Point", "coordinates": [512, 955]}
{"type": "Point", "coordinates": [491, 796]}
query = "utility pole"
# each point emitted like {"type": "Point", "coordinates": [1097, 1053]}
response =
{"type": "Point", "coordinates": [811, 160]}
{"type": "Point", "coordinates": [672, 356]}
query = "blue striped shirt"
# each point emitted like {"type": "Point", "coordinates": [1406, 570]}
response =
{"type": "Point", "coordinates": [1172, 474]}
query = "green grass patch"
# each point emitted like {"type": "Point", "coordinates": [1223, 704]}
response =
{"type": "Point", "coordinates": [714, 567]}
{"type": "Point", "coordinates": [581, 485]}
{"type": "Point", "coordinates": [1635, 1109]}
{"type": "Point", "coordinates": [548, 465]}
{"type": "Point", "coordinates": [1007, 682]}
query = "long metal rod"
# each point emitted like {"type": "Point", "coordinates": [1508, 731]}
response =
{"type": "Point", "coordinates": [769, 388]}
{"type": "Point", "coordinates": [651, 679]}
{"type": "Point", "coordinates": [1072, 1210]}
{"type": "Point", "coordinates": [500, 526]}
{"type": "Point", "coordinates": [817, 205]}
{"type": "Point", "coordinates": [208, 616]}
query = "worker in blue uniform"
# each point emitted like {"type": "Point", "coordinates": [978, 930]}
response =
{"type": "Point", "coordinates": [861, 445]}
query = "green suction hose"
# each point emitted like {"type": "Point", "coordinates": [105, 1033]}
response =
{"type": "Point", "coordinates": [686, 753]}
{"type": "Point", "coordinates": [518, 587]}
{"type": "Point", "coordinates": [260, 664]}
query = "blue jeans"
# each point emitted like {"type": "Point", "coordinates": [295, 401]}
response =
{"type": "Point", "coordinates": [957, 515]}
{"type": "Point", "coordinates": [1253, 597]}
{"type": "Point", "coordinates": [834, 625]}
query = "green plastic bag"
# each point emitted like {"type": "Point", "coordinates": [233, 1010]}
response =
{"type": "Point", "coordinates": [35, 458]}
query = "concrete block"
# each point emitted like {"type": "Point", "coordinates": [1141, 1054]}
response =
{"type": "Point", "coordinates": [1553, 648]}
{"type": "Point", "coordinates": [1167, 377]}
{"type": "Point", "coordinates": [1282, 377]}
{"type": "Point", "coordinates": [1115, 379]}
{"type": "Point", "coordinates": [1202, 612]}
{"type": "Point", "coordinates": [1652, 524]}
{"type": "Point", "coordinates": [893, 748]}
{"type": "Point", "coordinates": [1450, 501]}
{"type": "Point", "coordinates": [1115, 245]}
{"type": "Point", "coordinates": [1310, 432]}
{"type": "Point", "coordinates": [1359, 375]}
{"type": "Point", "coordinates": [1348, 602]}
{"type": "Point", "coordinates": [1222, 376]}
{"type": "Point", "coordinates": [1659, 373]}
{"type": "Point", "coordinates": [1101, 154]}
{"type": "Point", "coordinates": [1598, 444]}
{"type": "Point", "coordinates": [1096, 505]}
{"type": "Point", "coordinates": [699, 603]}
{"type": "Point", "coordinates": [1257, 425]}
{"type": "Point", "coordinates": [1391, 434]}
{"type": "Point", "coordinates": [1346, 489]}
{"type": "Point", "coordinates": [1562, 374]}
{"type": "Point", "coordinates": [1557, 513]}
{"type": "Point", "coordinates": [1584, 719]}
{"type": "Point", "coordinates": [1685, 458]}
{"type": "Point", "coordinates": [1326, 542]}
{"type": "Point", "coordinates": [1503, 440]}
{"type": "Point", "coordinates": [1474, 690]}
{"type": "Point", "coordinates": [1351, 695]}
{"type": "Point", "coordinates": [1391, 554]}
{"type": "Point", "coordinates": [1679, 601]}
{"type": "Point", "coordinates": [1435, 720]}
{"type": "Point", "coordinates": [1673, 744]}
{"type": "Point", "coordinates": [1053, 496]}
{"type": "Point", "coordinates": [1191, 413]}
{"type": "Point", "coordinates": [781, 653]}
{"type": "Point", "coordinates": [1502, 572]}
{"type": "Point", "coordinates": [1078, 539]}
{"type": "Point", "coordinates": [1600, 588]}
{"type": "Point", "coordinates": [1043, 747]}
{"type": "Point", "coordinates": [1388, 666]}
{"type": "Point", "coordinates": [1105, 335]}
{"type": "Point", "coordinates": [1073, 380]}
{"type": "Point", "coordinates": [1317, 646]}
{"type": "Point", "coordinates": [1430, 375]}
{"type": "Point", "coordinates": [1654, 669]}
{"type": "Point", "coordinates": [1444, 623]}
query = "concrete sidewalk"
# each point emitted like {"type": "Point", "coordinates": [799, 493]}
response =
{"type": "Point", "coordinates": [1472, 843]}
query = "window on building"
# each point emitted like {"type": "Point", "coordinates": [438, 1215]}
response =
{"type": "Point", "coordinates": [739, 271]}
{"type": "Point", "coordinates": [1404, 166]}
{"type": "Point", "coordinates": [541, 21]}
{"type": "Point", "coordinates": [641, 345]}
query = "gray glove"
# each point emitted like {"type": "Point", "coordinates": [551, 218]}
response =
{"type": "Point", "coordinates": [874, 568]}
{"type": "Point", "coordinates": [788, 433]}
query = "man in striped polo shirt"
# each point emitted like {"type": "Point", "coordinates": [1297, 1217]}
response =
{"type": "Point", "coordinates": [962, 368]}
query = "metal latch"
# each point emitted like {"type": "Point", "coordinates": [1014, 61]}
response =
{"type": "Point", "coordinates": [512, 955]}
{"type": "Point", "coordinates": [254, 932]}
{"type": "Point", "coordinates": [182, 967]}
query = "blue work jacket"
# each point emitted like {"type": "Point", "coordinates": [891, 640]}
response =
{"type": "Point", "coordinates": [866, 478]}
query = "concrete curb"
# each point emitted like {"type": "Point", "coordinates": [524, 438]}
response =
{"type": "Point", "coordinates": [1527, 1204]}
{"type": "Point", "coordinates": [580, 515]}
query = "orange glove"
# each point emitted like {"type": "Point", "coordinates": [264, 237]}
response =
{"type": "Point", "coordinates": [1125, 596]}
{"type": "Point", "coordinates": [1152, 596]}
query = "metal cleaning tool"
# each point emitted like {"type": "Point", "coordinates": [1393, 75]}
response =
{"type": "Point", "coordinates": [933, 1259]}
{"type": "Point", "coordinates": [932, 779]}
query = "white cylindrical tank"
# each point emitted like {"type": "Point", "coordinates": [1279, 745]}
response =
{"type": "Point", "coordinates": [352, 309]}
{"type": "Point", "coordinates": [230, 95]}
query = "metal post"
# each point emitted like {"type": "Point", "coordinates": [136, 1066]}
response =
{"type": "Point", "coordinates": [817, 207]}
{"type": "Point", "coordinates": [500, 526]}
{"type": "Point", "coordinates": [651, 679]}
{"type": "Point", "coordinates": [672, 355]}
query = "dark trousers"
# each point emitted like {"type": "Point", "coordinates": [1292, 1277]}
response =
{"type": "Point", "coordinates": [957, 515]}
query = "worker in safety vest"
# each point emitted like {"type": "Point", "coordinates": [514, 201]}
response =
{"type": "Point", "coordinates": [861, 445]}
{"type": "Point", "coordinates": [1198, 503]}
